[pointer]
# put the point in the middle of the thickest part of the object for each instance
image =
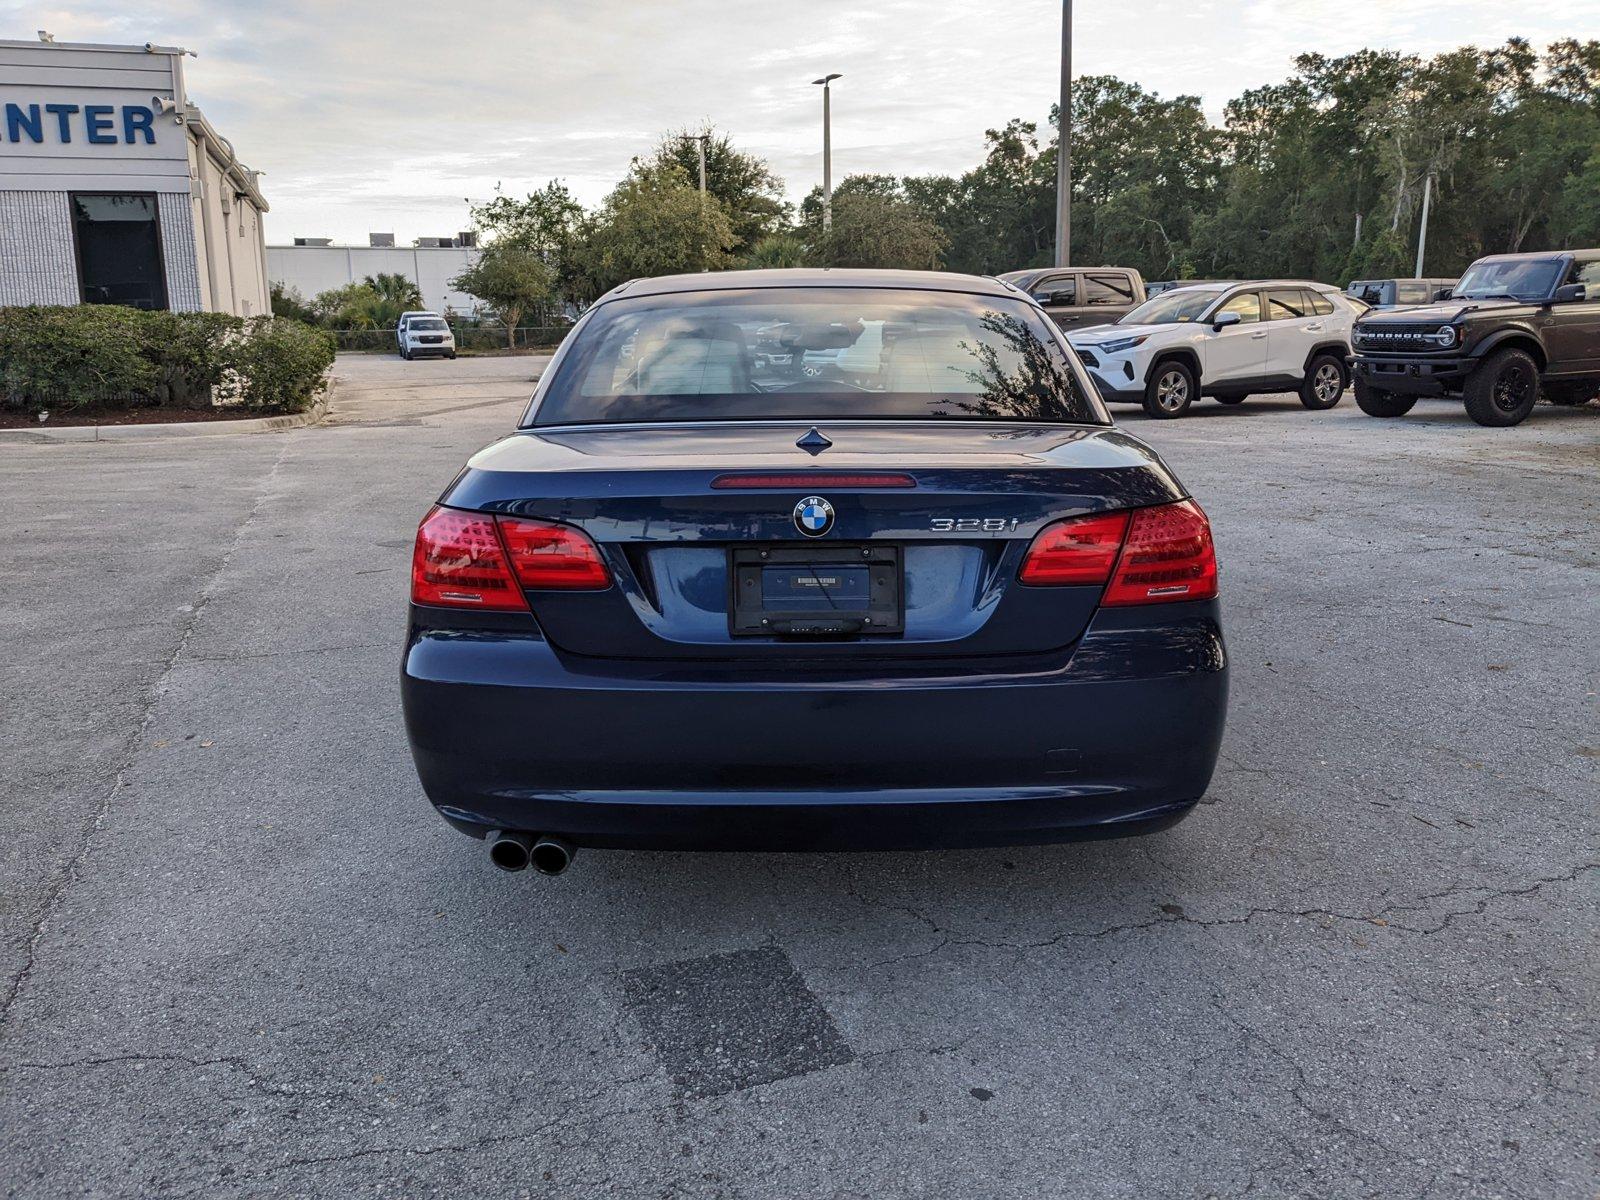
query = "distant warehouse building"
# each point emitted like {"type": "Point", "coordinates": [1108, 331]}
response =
{"type": "Point", "coordinates": [315, 265]}
{"type": "Point", "coordinates": [115, 189]}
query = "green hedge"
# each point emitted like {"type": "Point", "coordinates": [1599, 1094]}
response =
{"type": "Point", "coordinates": [114, 357]}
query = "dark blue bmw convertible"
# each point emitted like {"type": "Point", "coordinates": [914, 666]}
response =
{"type": "Point", "coordinates": [789, 560]}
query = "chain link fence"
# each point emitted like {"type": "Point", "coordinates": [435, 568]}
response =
{"type": "Point", "coordinates": [471, 339]}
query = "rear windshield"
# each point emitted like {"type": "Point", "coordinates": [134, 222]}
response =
{"type": "Point", "coordinates": [816, 353]}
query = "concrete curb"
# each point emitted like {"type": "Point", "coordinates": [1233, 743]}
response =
{"type": "Point", "coordinates": [173, 429]}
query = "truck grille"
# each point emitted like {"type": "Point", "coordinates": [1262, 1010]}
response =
{"type": "Point", "coordinates": [1397, 339]}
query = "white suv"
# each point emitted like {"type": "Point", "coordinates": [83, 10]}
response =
{"type": "Point", "coordinates": [1225, 340]}
{"type": "Point", "coordinates": [425, 333]}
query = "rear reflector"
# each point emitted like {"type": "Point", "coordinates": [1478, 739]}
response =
{"type": "Point", "coordinates": [811, 481]}
{"type": "Point", "coordinates": [1149, 556]}
{"type": "Point", "coordinates": [551, 557]}
{"type": "Point", "coordinates": [458, 562]}
{"type": "Point", "coordinates": [1080, 550]}
{"type": "Point", "coordinates": [474, 560]}
{"type": "Point", "coordinates": [1168, 556]}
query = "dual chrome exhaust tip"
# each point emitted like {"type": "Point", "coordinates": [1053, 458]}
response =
{"type": "Point", "coordinates": [512, 851]}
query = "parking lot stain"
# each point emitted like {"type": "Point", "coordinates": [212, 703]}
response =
{"type": "Point", "coordinates": [730, 1021]}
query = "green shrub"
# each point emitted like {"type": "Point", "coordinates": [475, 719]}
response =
{"type": "Point", "coordinates": [70, 357]}
{"type": "Point", "coordinates": [280, 365]}
{"type": "Point", "coordinates": [193, 353]}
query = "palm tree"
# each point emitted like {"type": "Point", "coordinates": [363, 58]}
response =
{"type": "Point", "coordinates": [396, 294]}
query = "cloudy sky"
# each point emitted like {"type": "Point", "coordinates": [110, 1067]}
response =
{"type": "Point", "coordinates": [390, 116]}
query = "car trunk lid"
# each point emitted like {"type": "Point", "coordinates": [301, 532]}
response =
{"type": "Point", "coordinates": [949, 507]}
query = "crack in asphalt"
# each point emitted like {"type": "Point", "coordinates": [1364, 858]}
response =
{"type": "Point", "coordinates": [69, 872]}
{"type": "Point", "coordinates": [571, 1114]}
{"type": "Point", "coordinates": [1179, 917]}
{"type": "Point", "coordinates": [233, 1062]}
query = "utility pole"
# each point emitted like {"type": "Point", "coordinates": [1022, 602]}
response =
{"type": "Point", "coordinates": [1064, 145]}
{"type": "Point", "coordinates": [827, 152]}
{"type": "Point", "coordinates": [699, 139]}
{"type": "Point", "coordinates": [1422, 234]}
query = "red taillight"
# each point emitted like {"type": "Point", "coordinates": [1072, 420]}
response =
{"type": "Point", "coordinates": [474, 560]}
{"type": "Point", "coordinates": [548, 556]}
{"type": "Point", "coordinates": [1168, 556]}
{"type": "Point", "coordinates": [812, 481]}
{"type": "Point", "coordinates": [1149, 556]}
{"type": "Point", "coordinates": [1080, 550]}
{"type": "Point", "coordinates": [459, 562]}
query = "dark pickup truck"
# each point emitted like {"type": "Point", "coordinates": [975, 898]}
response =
{"type": "Point", "coordinates": [1077, 297]}
{"type": "Point", "coordinates": [1515, 326]}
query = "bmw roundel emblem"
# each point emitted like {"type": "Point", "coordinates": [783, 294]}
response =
{"type": "Point", "coordinates": [813, 516]}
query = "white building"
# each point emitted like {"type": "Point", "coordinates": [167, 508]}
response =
{"type": "Point", "coordinates": [312, 269]}
{"type": "Point", "coordinates": [115, 189]}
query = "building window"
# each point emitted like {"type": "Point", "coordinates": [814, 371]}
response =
{"type": "Point", "coordinates": [119, 249]}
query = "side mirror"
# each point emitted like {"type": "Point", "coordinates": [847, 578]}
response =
{"type": "Point", "coordinates": [1569, 292]}
{"type": "Point", "coordinates": [1223, 320]}
{"type": "Point", "coordinates": [1443, 293]}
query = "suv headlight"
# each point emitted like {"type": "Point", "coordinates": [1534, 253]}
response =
{"type": "Point", "coordinates": [1118, 345]}
{"type": "Point", "coordinates": [1444, 336]}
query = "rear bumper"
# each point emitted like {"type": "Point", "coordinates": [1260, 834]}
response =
{"type": "Point", "coordinates": [1413, 376]}
{"type": "Point", "coordinates": [1118, 737]}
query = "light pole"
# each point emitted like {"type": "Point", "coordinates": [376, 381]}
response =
{"type": "Point", "coordinates": [827, 152]}
{"type": "Point", "coordinates": [1422, 233]}
{"type": "Point", "coordinates": [700, 140]}
{"type": "Point", "coordinates": [1064, 145]}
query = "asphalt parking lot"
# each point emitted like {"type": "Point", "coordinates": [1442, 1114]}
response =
{"type": "Point", "coordinates": [243, 956]}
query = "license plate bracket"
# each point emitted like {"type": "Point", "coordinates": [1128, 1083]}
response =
{"type": "Point", "coordinates": [837, 590]}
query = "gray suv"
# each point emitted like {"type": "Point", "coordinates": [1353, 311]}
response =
{"type": "Point", "coordinates": [1077, 297]}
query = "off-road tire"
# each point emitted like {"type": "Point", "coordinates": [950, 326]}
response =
{"type": "Point", "coordinates": [1377, 403]}
{"type": "Point", "coordinates": [1502, 389]}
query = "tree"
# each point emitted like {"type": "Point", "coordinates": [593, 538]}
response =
{"type": "Point", "coordinates": [399, 292]}
{"type": "Point", "coordinates": [288, 302]}
{"type": "Point", "coordinates": [887, 187]}
{"type": "Point", "coordinates": [747, 189]}
{"type": "Point", "coordinates": [654, 223]}
{"type": "Point", "coordinates": [777, 250]}
{"type": "Point", "coordinates": [353, 306]}
{"type": "Point", "coordinates": [374, 303]}
{"type": "Point", "coordinates": [872, 230]}
{"type": "Point", "coordinates": [547, 221]}
{"type": "Point", "coordinates": [512, 279]}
